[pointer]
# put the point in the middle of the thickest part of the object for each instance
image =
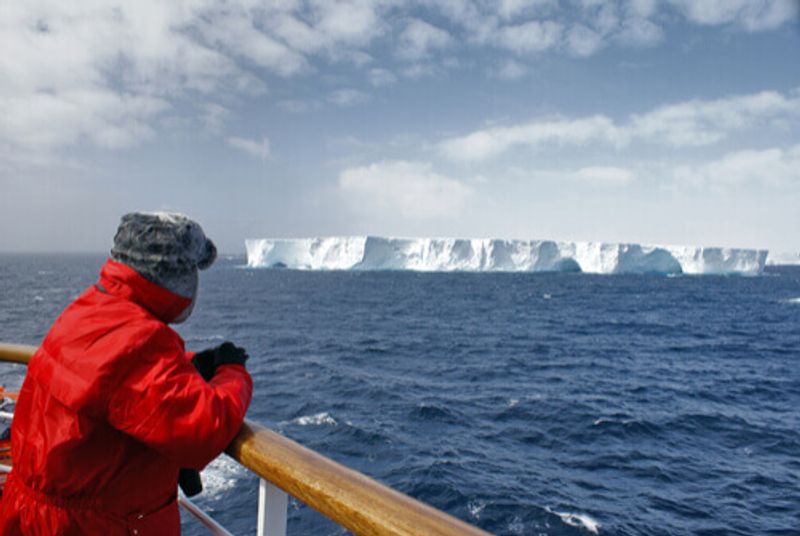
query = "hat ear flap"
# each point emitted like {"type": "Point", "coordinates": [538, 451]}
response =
{"type": "Point", "coordinates": [209, 255]}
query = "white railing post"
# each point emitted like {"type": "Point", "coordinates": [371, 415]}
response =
{"type": "Point", "coordinates": [272, 510]}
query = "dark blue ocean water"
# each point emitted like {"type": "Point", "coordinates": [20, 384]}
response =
{"type": "Point", "coordinates": [649, 405]}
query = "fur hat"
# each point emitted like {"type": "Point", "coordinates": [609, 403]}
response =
{"type": "Point", "coordinates": [165, 248]}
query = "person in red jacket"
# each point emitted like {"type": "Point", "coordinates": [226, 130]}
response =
{"type": "Point", "coordinates": [112, 406]}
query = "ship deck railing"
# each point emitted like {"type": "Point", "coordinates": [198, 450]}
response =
{"type": "Point", "coordinates": [351, 499]}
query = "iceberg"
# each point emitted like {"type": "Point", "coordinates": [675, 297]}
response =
{"type": "Point", "coordinates": [497, 255]}
{"type": "Point", "coordinates": [783, 259]}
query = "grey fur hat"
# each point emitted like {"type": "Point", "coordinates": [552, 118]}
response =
{"type": "Point", "coordinates": [165, 248]}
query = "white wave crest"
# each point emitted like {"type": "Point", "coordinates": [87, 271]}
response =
{"type": "Point", "coordinates": [578, 520]}
{"type": "Point", "coordinates": [221, 475]}
{"type": "Point", "coordinates": [476, 507]}
{"type": "Point", "coordinates": [315, 420]}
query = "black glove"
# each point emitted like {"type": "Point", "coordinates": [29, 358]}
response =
{"type": "Point", "coordinates": [189, 481]}
{"type": "Point", "coordinates": [227, 353]}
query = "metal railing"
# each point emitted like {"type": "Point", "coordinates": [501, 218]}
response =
{"type": "Point", "coordinates": [347, 497]}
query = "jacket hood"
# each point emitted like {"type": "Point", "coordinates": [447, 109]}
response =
{"type": "Point", "coordinates": [124, 282]}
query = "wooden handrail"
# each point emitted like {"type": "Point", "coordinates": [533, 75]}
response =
{"type": "Point", "coordinates": [351, 499]}
{"type": "Point", "coordinates": [348, 497]}
{"type": "Point", "coordinates": [16, 353]}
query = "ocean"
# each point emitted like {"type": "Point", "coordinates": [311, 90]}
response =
{"type": "Point", "coordinates": [541, 404]}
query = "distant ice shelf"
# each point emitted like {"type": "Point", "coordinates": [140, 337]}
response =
{"type": "Point", "coordinates": [783, 259]}
{"type": "Point", "coordinates": [496, 255]}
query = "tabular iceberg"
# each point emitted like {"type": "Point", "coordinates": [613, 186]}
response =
{"type": "Point", "coordinates": [783, 259]}
{"type": "Point", "coordinates": [495, 255]}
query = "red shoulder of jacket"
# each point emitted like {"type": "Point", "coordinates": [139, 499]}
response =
{"type": "Point", "coordinates": [97, 337]}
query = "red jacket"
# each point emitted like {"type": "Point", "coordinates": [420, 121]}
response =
{"type": "Point", "coordinates": [109, 411]}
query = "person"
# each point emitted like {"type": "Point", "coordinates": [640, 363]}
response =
{"type": "Point", "coordinates": [112, 406]}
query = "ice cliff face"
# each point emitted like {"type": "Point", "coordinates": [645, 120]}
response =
{"type": "Point", "coordinates": [493, 255]}
{"type": "Point", "coordinates": [783, 259]}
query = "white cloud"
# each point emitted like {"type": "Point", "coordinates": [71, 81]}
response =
{"type": "Point", "coordinates": [638, 31]}
{"type": "Point", "coordinates": [533, 36]}
{"type": "Point", "coordinates": [604, 176]}
{"type": "Point", "coordinates": [353, 22]}
{"type": "Point", "coordinates": [491, 142]}
{"type": "Point", "coordinates": [295, 32]}
{"type": "Point", "coordinates": [534, 26]}
{"type": "Point", "coordinates": [379, 77]}
{"type": "Point", "coordinates": [583, 41]}
{"type": "Point", "coordinates": [419, 70]}
{"type": "Point", "coordinates": [257, 148]}
{"type": "Point", "coordinates": [687, 124]}
{"type": "Point", "coordinates": [235, 33]}
{"type": "Point", "coordinates": [512, 8]}
{"type": "Point", "coordinates": [299, 106]}
{"type": "Point", "coordinates": [46, 120]}
{"type": "Point", "coordinates": [703, 122]}
{"type": "Point", "coordinates": [347, 97]}
{"type": "Point", "coordinates": [411, 189]}
{"type": "Point", "coordinates": [213, 117]}
{"type": "Point", "coordinates": [108, 72]}
{"type": "Point", "coordinates": [419, 38]}
{"type": "Point", "coordinates": [509, 70]}
{"type": "Point", "coordinates": [641, 8]}
{"type": "Point", "coordinates": [580, 32]}
{"type": "Point", "coordinates": [776, 167]}
{"type": "Point", "coordinates": [318, 26]}
{"type": "Point", "coordinates": [751, 15]}
{"type": "Point", "coordinates": [603, 16]}
{"type": "Point", "coordinates": [104, 72]}
{"type": "Point", "coordinates": [101, 73]}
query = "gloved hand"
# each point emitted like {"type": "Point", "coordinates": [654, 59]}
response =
{"type": "Point", "coordinates": [227, 353]}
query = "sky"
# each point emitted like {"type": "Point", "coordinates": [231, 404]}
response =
{"type": "Point", "coordinates": [649, 121]}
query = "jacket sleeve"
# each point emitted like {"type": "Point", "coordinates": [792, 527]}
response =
{"type": "Point", "coordinates": [160, 400]}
